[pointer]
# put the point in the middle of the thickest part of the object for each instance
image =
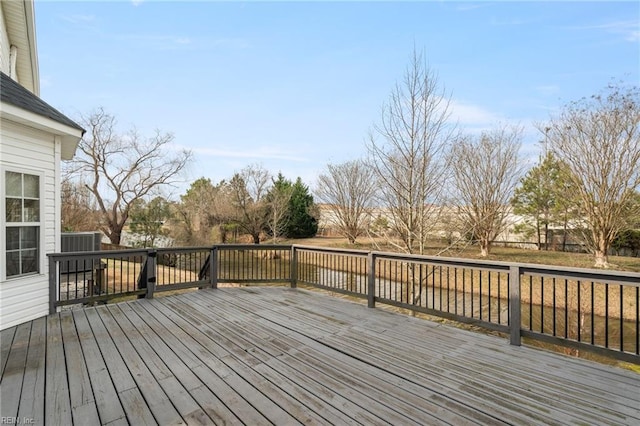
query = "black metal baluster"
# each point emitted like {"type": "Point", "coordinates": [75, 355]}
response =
{"type": "Point", "coordinates": [579, 313]}
{"type": "Point", "coordinates": [606, 314]}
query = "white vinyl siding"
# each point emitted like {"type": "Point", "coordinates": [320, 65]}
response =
{"type": "Point", "coordinates": [4, 44]}
{"type": "Point", "coordinates": [26, 150]}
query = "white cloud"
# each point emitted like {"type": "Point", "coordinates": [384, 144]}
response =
{"type": "Point", "coordinates": [473, 117]}
{"type": "Point", "coordinates": [136, 2]}
{"type": "Point", "coordinates": [633, 36]}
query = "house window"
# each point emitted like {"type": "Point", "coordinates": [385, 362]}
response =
{"type": "Point", "coordinates": [22, 221]}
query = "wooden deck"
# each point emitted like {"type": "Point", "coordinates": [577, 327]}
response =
{"type": "Point", "coordinates": [268, 355]}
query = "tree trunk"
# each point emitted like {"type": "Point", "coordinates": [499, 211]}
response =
{"type": "Point", "coordinates": [602, 259]}
{"type": "Point", "coordinates": [565, 225]}
{"type": "Point", "coordinates": [115, 236]}
{"type": "Point", "coordinates": [484, 248]}
{"type": "Point", "coordinates": [256, 238]}
{"type": "Point", "coordinates": [601, 256]}
{"type": "Point", "coordinates": [546, 236]}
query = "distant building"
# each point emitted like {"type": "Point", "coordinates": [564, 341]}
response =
{"type": "Point", "coordinates": [447, 224]}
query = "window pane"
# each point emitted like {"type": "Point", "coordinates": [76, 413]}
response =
{"type": "Point", "coordinates": [13, 263]}
{"type": "Point", "coordinates": [29, 261]}
{"type": "Point", "coordinates": [14, 210]}
{"type": "Point", "coordinates": [13, 238]}
{"type": "Point", "coordinates": [31, 210]}
{"type": "Point", "coordinates": [29, 237]}
{"type": "Point", "coordinates": [22, 205]}
{"type": "Point", "coordinates": [13, 186]}
{"type": "Point", "coordinates": [31, 186]}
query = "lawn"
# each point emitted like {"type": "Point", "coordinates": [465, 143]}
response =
{"type": "Point", "coordinates": [504, 254]}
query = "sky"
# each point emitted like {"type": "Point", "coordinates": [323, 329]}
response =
{"type": "Point", "coordinates": [293, 86]}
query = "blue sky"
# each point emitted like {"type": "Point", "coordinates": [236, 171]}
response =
{"type": "Point", "coordinates": [294, 86]}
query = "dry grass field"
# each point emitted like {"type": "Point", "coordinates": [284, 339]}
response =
{"type": "Point", "coordinates": [503, 254]}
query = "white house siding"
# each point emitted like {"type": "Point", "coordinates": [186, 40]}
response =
{"type": "Point", "coordinates": [29, 150]}
{"type": "Point", "coordinates": [4, 43]}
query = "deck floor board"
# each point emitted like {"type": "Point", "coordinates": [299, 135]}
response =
{"type": "Point", "coordinates": [32, 395]}
{"type": "Point", "coordinates": [58, 409]}
{"type": "Point", "coordinates": [14, 372]}
{"type": "Point", "coordinates": [388, 388]}
{"type": "Point", "coordinates": [105, 396]}
{"type": "Point", "coordinates": [454, 402]}
{"type": "Point", "coordinates": [6, 340]}
{"type": "Point", "coordinates": [238, 338]}
{"type": "Point", "coordinates": [279, 356]}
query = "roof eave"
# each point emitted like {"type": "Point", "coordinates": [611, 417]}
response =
{"type": "Point", "coordinates": [69, 136]}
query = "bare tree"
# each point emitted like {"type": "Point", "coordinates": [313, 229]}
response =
{"type": "Point", "coordinates": [121, 169]}
{"type": "Point", "coordinates": [203, 207]}
{"type": "Point", "coordinates": [599, 139]}
{"type": "Point", "coordinates": [277, 204]}
{"type": "Point", "coordinates": [486, 171]}
{"type": "Point", "coordinates": [79, 211]}
{"type": "Point", "coordinates": [249, 188]}
{"type": "Point", "coordinates": [407, 150]}
{"type": "Point", "coordinates": [348, 190]}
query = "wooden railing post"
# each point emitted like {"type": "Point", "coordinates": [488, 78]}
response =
{"type": "Point", "coordinates": [213, 267]}
{"type": "Point", "coordinates": [515, 313]}
{"type": "Point", "coordinates": [371, 280]}
{"type": "Point", "coordinates": [294, 267]}
{"type": "Point", "coordinates": [151, 267]}
{"type": "Point", "coordinates": [53, 285]}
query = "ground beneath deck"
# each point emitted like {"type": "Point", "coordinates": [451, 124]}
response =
{"type": "Point", "coordinates": [268, 355]}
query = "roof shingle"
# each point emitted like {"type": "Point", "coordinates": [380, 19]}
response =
{"type": "Point", "coordinates": [13, 93]}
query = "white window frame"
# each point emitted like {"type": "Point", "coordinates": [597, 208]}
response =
{"type": "Point", "coordinates": [3, 223]}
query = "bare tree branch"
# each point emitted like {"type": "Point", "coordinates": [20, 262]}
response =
{"type": "Point", "coordinates": [407, 149]}
{"type": "Point", "coordinates": [599, 139]}
{"type": "Point", "coordinates": [119, 170]}
{"type": "Point", "coordinates": [348, 189]}
{"type": "Point", "coordinates": [248, 190]}
{"type": "Point", "coordinates": [485, 173]}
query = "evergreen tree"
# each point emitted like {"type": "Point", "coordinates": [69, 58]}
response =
{"type": "Point", "coordinates": [147, 220]}
{"type": "Point", "coordinates": [536, 197]}
{"type": "Point", "coordinates": [544, 198]}
{"type": "Point", "coordinates": [302, 221]}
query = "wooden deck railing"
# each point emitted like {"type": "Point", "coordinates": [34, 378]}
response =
{"type": "Point", "coordinates": [578, 308]}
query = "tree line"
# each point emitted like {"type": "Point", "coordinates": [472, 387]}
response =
{"type": "Point", "coordinates": [251, 203]}
{"type": "Point", "coordinates": [427, 175]}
